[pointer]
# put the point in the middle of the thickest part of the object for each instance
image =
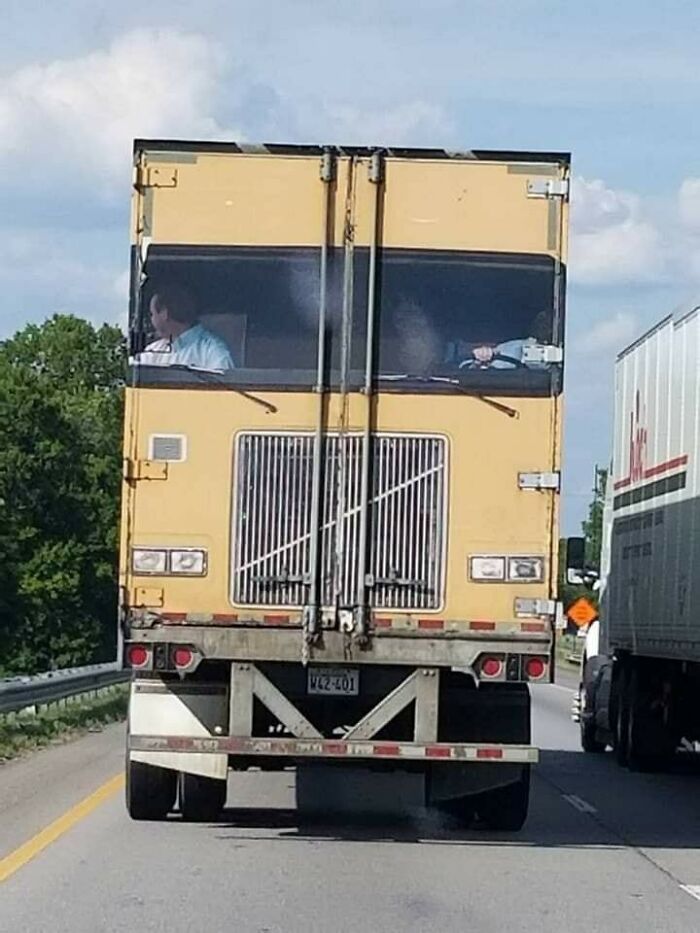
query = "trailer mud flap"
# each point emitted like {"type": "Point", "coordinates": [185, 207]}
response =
{"type": "Point", "coordinates": [179, 709]}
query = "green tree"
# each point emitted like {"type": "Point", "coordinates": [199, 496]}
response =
{"type": "Point", "coordinates": [592, 527]}
{"type": "Point", "coordinates": [60, 439]}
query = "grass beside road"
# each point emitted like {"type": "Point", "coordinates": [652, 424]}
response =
{"type": "Point", "coordinates": [567, 646]}
{"type": "Point", "coordinates": [21, 733]}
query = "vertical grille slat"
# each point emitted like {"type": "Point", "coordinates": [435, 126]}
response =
{"type": "Point", "coordinates": [272, 519]}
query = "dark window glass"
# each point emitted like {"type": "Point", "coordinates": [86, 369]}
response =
{"type": "Point", "coordinates": [251, 316]}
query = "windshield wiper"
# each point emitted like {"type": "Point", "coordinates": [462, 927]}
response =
{"type": "Point", "coordinates": [213, 376]}
{"type": "Point", "coordinates": [448, 380]}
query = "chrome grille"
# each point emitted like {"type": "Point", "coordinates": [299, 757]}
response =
{"type": "Point", "coordinates": [272, 521]}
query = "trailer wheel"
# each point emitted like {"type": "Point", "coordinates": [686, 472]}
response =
{"type": "Point", "coordinates": [461, 809]}
{"type": "Point", "coordinates": [589, 741]}
{"type": "Point", "coordinates": [505, 808]}
{"type": "Point", "coordinates": [650, 745]}
{"type": "Point", "coordinates": [150, 791]}
{"type": "Point", "coordinates": [201, 798]}
{"type": "Point", "coordinates": [622, 711]}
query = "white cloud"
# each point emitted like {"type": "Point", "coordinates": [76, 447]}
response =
{"type": "Point", "coordinates": [413, 123]}
{"type": "Point", "coordinates": [51, 274]}
{"type": "Point", "coordinates": [689, 203]}
{"type": "Point", "coordinates": [88, 109]}
{"type": "Point", "coordinates": [610, 335]}
{"type": "Point", "coordinates": [612, 241]}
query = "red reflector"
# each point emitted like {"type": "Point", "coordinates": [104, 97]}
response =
{"type": "Point", "coordinates": [224, 618]}
{"type": "Point", "coordinates": [535, 668]}
{"type": "Point", "coordinates": [382, 623]}
{"type": "Point", "coordinates": [491, 667]}
{"type": "Point", "coordinates": [478, 625]}
{"type": "Point", "coordinates": [276, 620]}
{"type": "Point", "coordinates": [489, 753]}
{"type": "Point", "coordinates": [182, 657]}
{"type": "Point", "coordinates": [532, 626]}
{"type": "Point", "coordinates": [385, 749]}
{"type": "Point", "coordinates": [437, 751]}
{"type": "Point", "coordinates": [431, 623]}
{"type": "Point", "coordinates": [136, 655]}
{"type": "Point", "coordinates": [335, 748]}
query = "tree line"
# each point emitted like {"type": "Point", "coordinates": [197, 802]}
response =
{"type": "Point", "coordinates": [61, 398]}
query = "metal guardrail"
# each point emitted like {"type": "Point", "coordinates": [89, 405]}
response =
{"type": "Point", "coordinates": [19, 693]}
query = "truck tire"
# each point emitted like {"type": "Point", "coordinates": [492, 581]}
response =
{"type": "Point", "coordinates": [506, 808]}
{"type": "Point", "coordinates": [650, 745]}
{"type": "Point", "coordinates": [621, 724]}
{"type": "Point", "coordinates": [589, 743]}
{"type": "Point", "coordinates": [150, 791]}
{"type": "Point", "coordinates": [201, 798]}
{"type": "Point", "coordinates": [587, 724]}
{"type": "Point", "coordinates": [462, 809]}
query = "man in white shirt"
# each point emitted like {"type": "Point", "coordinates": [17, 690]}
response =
{"type": "Point", "coordinates": [181, 339]}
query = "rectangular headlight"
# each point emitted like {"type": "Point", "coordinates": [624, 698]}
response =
{"type": "Point", "coordinates": [188, 561]}
{"type": "Point", "coordinates": [149, 560]}
{"type": "Point", "coordinates": [487, 567]}
{"type": "Point", "coordinates": [526, 569]}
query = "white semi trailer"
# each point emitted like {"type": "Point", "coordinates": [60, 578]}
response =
{"type": "Point", "coordinates": [640, 690]}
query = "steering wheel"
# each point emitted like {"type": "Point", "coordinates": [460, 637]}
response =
{"type": "Point", "coordinates": [473, 363]}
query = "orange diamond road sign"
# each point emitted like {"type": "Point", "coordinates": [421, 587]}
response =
{"type": "Point", "coordinates": [582, 612]}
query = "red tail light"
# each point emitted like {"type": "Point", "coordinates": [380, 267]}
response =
{"type": "Point", "coordinates": [535, 668]}
{"type": "Point", "coordinates": [137, 656]}
{"type": "Point", "coordinates": [491, 667]}
{"type": "Point", "coordinates": [182, 656]}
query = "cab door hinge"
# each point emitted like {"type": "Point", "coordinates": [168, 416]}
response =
{"type": "Point", "coordinates": [548, 188]}
{"type": "Point", "coordinates": [540, 480]}
{"type": "Point", "coordinates": [145, 469]}
{"type": "Point", "coordinates": [154, 176]}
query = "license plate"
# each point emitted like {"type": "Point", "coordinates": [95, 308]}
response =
{"type": "Point", "coordinates": [333, 681]}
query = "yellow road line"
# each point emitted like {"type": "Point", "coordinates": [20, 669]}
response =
{"type": "Point", "coordinates": [32, 847]}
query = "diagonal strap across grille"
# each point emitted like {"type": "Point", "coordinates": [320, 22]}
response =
{"type": "Point", "coordinates": [272, 520]}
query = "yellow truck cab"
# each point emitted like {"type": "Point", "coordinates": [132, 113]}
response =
{"type": "Point", "coordinates": [341, 466]}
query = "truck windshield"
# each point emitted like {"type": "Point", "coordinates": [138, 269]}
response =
{"type": "Point", "coordinates": [250, 315]}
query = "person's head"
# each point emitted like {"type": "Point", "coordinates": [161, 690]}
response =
{"type": "Point", "coordinates": [173, 310]}
{"type": "Point", "coordinates": [541, 327]}
{"type": "Point", "coordinates": [417, 341]}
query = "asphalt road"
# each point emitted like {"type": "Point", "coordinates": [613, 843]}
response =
{"type": "Point", "coordinates": [603, 849]}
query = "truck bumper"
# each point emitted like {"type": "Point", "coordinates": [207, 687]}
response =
{"type": "Point", "coordinates": [295, 748]}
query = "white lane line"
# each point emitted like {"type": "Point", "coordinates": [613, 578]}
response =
{"type": "Point", "coordinates": [579, 804]}
{"type": "Point", "coordinates": [692, 889]}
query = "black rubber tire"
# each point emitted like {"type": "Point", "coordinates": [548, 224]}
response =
{"type": "Point", "coordinates": [589, 742]}
{"type": "Point", "coordinates": [506, 808]}
{"type": "Point", "coordinates": [639, 757]}
{"type": "Point", "coordinates": [621, 741]}
{"type": "Point", "coordinates": [649, 746]}
{"type": "Point", "coordinates": [150, 791]}
{"type": "Point", "coordinates": [461, 809]}
{"type": "Point", "coordinates": [201, 798]}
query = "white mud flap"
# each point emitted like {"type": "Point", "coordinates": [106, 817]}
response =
{"type": "Point", "coordinates": [192, 710]}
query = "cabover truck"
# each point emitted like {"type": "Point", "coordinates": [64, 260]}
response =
{"type": "Point", "coordinates": [640, 690]}
{"type": "Point", "coordinates": [341, 467]}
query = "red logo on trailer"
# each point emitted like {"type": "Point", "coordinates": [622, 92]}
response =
{"type": "Point", "coordinates": [638, 441]}
{"type": "Point", "coordinates": [638, 449]}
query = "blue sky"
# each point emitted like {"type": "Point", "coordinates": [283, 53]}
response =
{"type": "Point", "coordinates": [616, 84]}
